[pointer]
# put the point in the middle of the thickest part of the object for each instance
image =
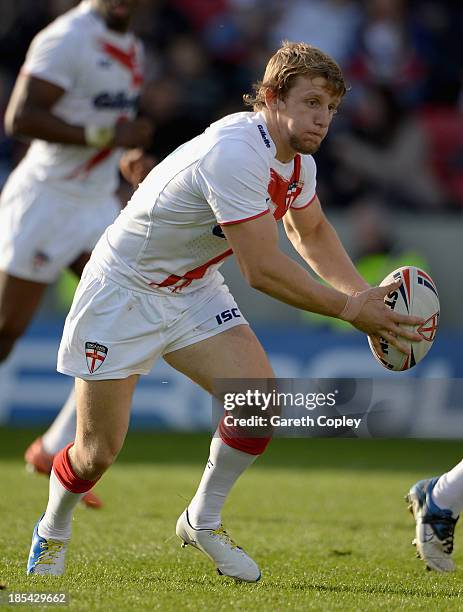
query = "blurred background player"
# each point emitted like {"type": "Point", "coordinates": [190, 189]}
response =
{"type": "Point", "coordinates": [76, 98]}
{"type": "Point", "coordinates": [152, 288]}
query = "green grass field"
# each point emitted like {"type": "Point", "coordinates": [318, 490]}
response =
{"type": "Point", "coordinates": [325, 519]}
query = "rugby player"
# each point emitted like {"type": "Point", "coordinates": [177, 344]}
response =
{"type": "Point", "coordinates": [152, 288]}
{"type": "Point", "coordinates": [76, 99]}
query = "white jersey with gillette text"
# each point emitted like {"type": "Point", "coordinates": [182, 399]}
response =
{"type": "Point", "coordinates": [169, 236]}
{"type": "Point", "coordinates": [100, 71]}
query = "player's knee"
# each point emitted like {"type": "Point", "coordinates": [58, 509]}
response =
{"type": "Point", "coordinates": [94, 460]}
{"type": "Point", "coordinates": [93, 467]}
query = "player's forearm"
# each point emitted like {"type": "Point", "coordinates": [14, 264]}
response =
{"type": "Point", "coordinates": [284, 279]}
{"type": "Point", "coordinates": [325, 254]}
{"type": "Point", "coordinates": [41, 124]}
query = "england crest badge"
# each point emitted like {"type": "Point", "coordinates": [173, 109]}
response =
{"type": "Point", "coordinates": [95, 354]}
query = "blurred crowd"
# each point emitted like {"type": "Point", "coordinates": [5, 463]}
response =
{"type": "Point", "coordinates": [398, 138]}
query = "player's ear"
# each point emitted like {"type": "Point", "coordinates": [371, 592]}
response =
{"type": "Point", "coordinates": [271, 99]}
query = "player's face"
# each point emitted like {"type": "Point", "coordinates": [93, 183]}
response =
{"type": "Point", "coordinates": [305, 114]}
{"type": "Point", "coordinates": [116, 13]}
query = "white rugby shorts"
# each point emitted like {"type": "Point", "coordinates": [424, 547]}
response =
{"type": "Point", "coordinates": [112, 331]}
{"type": "Point", "coordinates": [43, 231]}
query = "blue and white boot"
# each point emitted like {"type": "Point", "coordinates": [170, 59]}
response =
{"type": "Point", "coordinates": [47, 555]}
{"type": "Point", "coordinates": [435, 527]}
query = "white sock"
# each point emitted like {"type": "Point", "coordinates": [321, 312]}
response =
{"type": "Point", "coordinates": [63, 429]}
{"type": "Point", "coordinates": [56, 522]}
{"type": "Point", "coordinates": [224, 466]}
{"type": "Point", "coordinates": [448, 492]}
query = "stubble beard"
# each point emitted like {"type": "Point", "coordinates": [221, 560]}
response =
{"type": "Point", "coordinates": [303, 148]}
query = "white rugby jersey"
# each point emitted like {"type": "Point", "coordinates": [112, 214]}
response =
{"type": "Point", "coordinates": [101, 73]}
{"type": "Point", "coordinates": [169, 236]}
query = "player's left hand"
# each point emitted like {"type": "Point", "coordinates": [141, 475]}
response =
{"type": "Point", "coordinates": [135, 165]}
{"type": "Point", "coordinates": [378, 321]}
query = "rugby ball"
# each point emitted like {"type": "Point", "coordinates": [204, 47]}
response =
{"type": "Point", "coordinates": [417, 296]}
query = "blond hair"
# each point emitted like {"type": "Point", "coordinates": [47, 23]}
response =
{"type": "Point", "coordinates": [295, 59]}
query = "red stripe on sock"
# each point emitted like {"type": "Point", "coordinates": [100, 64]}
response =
{"type": "Point", "coordinates": [252, 446]}
{"type": "Point", "coordinates": [66, 475]}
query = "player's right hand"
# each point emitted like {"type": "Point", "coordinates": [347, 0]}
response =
{"type": "Point", "coordinates": [136, 133]}
{"type": "Point", "coordinates": [134, 165]}
{"type": "Point", "coordinates": [379, 321]}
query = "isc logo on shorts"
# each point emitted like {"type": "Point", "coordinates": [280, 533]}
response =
{"type": "Point", "coordinates": [228, 315]}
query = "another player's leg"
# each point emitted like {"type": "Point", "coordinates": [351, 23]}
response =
{"type": "Point", "coordinates": [103, 409]}
{"type": "Point", "coordinates": [19, 300]}
{"type": "Point", "coordinates": [235, 353]}
{"type": "Point", "coordinates": [40, 454]}
{"type": "Point", "coordinates": [436, 504]}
